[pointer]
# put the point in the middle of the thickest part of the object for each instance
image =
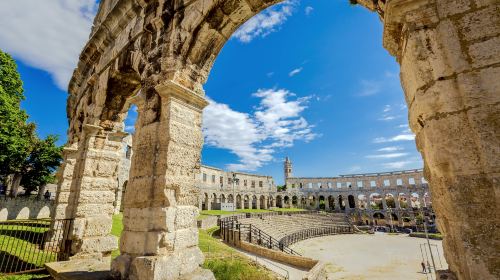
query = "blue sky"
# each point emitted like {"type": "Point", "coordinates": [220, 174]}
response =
{"type": "Point", "coordinates": [307, 79]}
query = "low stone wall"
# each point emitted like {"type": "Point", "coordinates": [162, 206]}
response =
{"type": "Point", "coordinates": [297, 261]}
{"type": "Point", "coordinates": [318, 272]}
{"type": "Point", "coordinates": [24, 208]}
{"type": "Point", "coordinates": [208, 222]}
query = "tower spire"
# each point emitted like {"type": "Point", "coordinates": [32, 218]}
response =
{"type": "Point", "coordinates": [287, 168]}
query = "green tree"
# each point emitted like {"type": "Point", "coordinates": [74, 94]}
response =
{"type": "Point", "coordinates": [16, 135]}
{"type": "Point", "coordinates": [41, 164]}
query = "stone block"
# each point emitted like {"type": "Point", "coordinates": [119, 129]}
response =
{"type": "Point", "coordinates": [448, 8]}
{"type": "Point", "coordinates": [157, 218]}
{"type": "Point", "coordinates": [96, 197]}
{"type": "Point", "coordinates": [141, 243]}
{"type": "Point", "coordinates": [485, 53]}
{"type": "Point", "coordinates": [156, 267]}
{"type": "Point", "coordinates": [481, 24]}
{"type": "Point", "coordinates": [98, 244]}
{"type": "Point", "coordinates": [98, 226]}
{"type": "Point", "coordinates": [88, 210]}
{"type": "Point", "coordinates": [185, 238]}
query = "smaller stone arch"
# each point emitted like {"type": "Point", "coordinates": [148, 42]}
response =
{"type": "Point", "coordinates": [239, 204]}
{"type": "Point", "coordinates": [295, 201]}
{"type": "Point", "coordinates": [390, 201]}
{"type": "Point", "coordinates": [331, 202]}
{"type": "Point", "coordinates": [376, 201]}
{"type": "Point", "coordinates": [23, 214]}
{"type": "Point", "coordinates": [362, 201]}
{"type": "Point", "coordinates": [341, 203]}
{"type": "Point", "coordinates": [263, 204]}
{"type": "Point", "coordinates": [351, 201]}
{"type": "Point", "coordinates": [322, 202]}
{"type": "Point", "coordinates": [279, 201]}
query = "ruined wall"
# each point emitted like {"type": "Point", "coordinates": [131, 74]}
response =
{"type": "Point", "coordinates": [24, 208]}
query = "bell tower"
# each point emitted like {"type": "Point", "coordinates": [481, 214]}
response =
{"type": "Point", "coordinates": [287, 168]}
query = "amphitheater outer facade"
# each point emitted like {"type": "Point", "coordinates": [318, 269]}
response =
{"type": "Point", "coordinates": [364, 197]}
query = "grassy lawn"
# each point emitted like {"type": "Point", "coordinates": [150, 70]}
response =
{"type": "Point", "coordinates": [20, 244]}
{"type": "Point", "coordinates": [288, 209]}
{"type": "Point", "coordinates": [225, 262]}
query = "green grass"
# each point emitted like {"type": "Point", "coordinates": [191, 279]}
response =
{"type": "Point", "coordinates": [225, 262]}
{"type": "Point", "coordinates": [287, 209]}
{"type": "Point", "coordinates": [253, 211]}
{"type": "Point", "coordinates": [26, 277]}
{"type": "Point", "coordinates": [216, 212]}
{"type": "Point", "coordinates": [23, 245]}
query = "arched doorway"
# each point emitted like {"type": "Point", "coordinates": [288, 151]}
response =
{"type": "Point", "coordinates": [341, 203]}
{"type": "Point", "coordinates": [295, 201]}
{"type": "Point", "coordinates": [331, 202]}
{"type": "Point", "coordinates": [352, 202]}
{"type": "Point", "coordinates": [279, 201]}
{"type": "Point", "coordinates": [322, 202]}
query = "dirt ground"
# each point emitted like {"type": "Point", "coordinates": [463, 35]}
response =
{"type": "Point", "coordinates": [376, 256]}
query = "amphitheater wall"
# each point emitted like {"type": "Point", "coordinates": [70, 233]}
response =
{"type": "Point", "coordinates": [21, 209]}
{"type": "Point", "coordinates": [278, 256]}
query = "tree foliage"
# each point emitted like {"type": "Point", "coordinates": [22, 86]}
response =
{"type": "Point", "coordinates": [22, 153]}
{"type": "Point", "coordinates": [39, 167]}
{"type": "Point", "coordinates": [16, 134]}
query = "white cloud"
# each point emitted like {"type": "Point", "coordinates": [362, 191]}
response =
{"type": "Point", "coordinates": [254, 138]}
{"type": "Point", "coordinates": [266, 22]}
{"type": "Point", "coordinates": [386, 156]}
{"type": "Point", "coordinates": [396, 164]}
{"type": "Point", "coordinates": [47, 35]}
{"type": "Point", "coordinates": [308, 10]}
{"type": "Point", "coordinates": [390, 149]}
{"type": "Point", "coordinates": [295, 71]}
{"type": "Point", "coordinates": [270, 74]}
{"type": "Point", "coordinates": [370, 87]}
{"type": "Point", "coordinates": [400, 137]}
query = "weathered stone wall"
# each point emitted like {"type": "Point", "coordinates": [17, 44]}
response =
{"type": "Point", "coordinates": [24, 208]}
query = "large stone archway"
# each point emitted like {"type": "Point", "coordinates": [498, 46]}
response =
{"type": "Point", "coordinates": [157, 54]}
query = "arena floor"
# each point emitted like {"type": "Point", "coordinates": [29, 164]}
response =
{"type": "Point", "coordinates": [376, 256]}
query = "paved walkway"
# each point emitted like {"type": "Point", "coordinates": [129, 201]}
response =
{"type": "Point", "coordinates": [279, 268]}
{"type": "Point", "coordinates": [363, 256]}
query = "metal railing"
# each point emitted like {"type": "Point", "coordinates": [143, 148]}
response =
{"type": "Point", "coordinates": [26, 245]}
{"type": "Point", "coordinates": [314, 232]}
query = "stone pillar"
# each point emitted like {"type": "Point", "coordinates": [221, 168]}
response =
{"type": "Point", "coordinates": [257, 203]}
{"type": "Point", "coordinates": [384, 203]}
{"type": "Point", "coordinates": [273, 202]}
{"type": "Point", "coordinates": [449, 53]}
{"type": "Point", "coordinates": [92, 193]}
{"type": "Point", "coordinates": [160, 237]}
{"type": "Point", "coordinates": [64, 182]}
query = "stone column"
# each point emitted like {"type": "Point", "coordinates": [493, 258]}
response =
{"type": "Point", "coordinates": [92, 193]}
{"type": "Point", "coordinates": [449, 53]}
{"type": "Point", "coordinates": [64, 182]}
{"type": "Point", "coordinates": [160, 237]}
{"type": "Point", "coordinates": [384, 203]}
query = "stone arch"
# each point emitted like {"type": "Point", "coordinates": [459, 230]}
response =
{"type": "Point", "coordinates": [351, 201]}
{"type": "Point", "coordinates": [362, 201]}
{"type": "Point", "coordinates": [390, 201]}
{"type": "Point", "coordinates": [415, 200]}
{"type": "Point", "coordinates": [322, 202]}
{"type": "Point", "coordinates": [342, 203]}
{"type": "Point", "coordinates": [279, 201]}
{"type": "Point", "coordinates": [376, 201]}
{"type": "Point", "coordinates": [230, 198]}
{"type": "Point", "coordinates": [23, 214]}
{"type": "Point", "coordinates": [44, 212]}
{"type": "Point", "coordinates": [239, 204]}
{"type": "Point", "coordinates": [379, 219]}
{"type": "Point", "coordinates": [286, 201]}
{"type": "Point", "coordinates": [331, 202]}
{"type": "Point", "coordinates": [247, 203]}
{"type": "Point", "coordinates": [168, 49]}
{"type": "Point", "coordinates": [254, 202]}
{"type": "Point", "coordinates": [222, 198]}
{"type": "Point", "coordinates": [404, 201]}
{"type": "Point", "coordinates": [295, 201]}
{"type": "Point", "coordinates": [263, 204]}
